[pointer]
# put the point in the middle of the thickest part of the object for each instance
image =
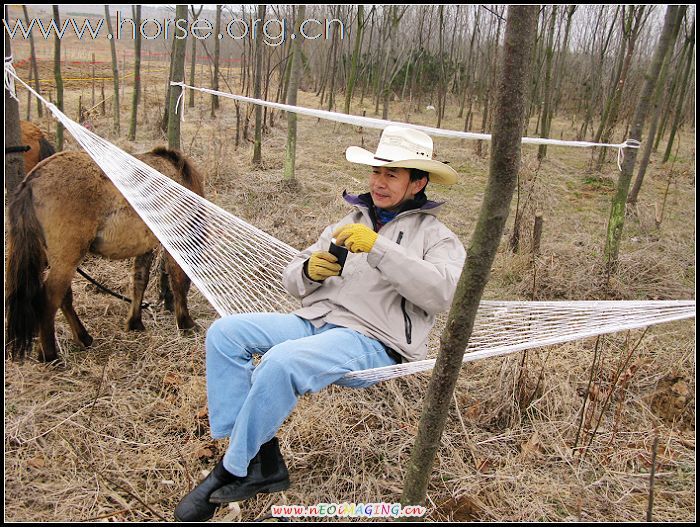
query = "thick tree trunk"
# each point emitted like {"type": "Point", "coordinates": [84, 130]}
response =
{"type": "Point", "coordinates": [505, 161]}
{"type": "Point", "coordinates": [166, 106]}
{"type": "Point", "coordinates": [14, 161]}
{"type": "Point", "coordinates": [295, 66]}
{"type": "Point", "coordinates": [617, 209]}
{"type": "Point", "coordinates": [178, 73]}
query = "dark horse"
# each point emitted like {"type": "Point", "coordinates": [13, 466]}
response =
{"type": "Point", "coordinates": [39, 146]}
{"type": "Point", "coordinates": [65, 208]}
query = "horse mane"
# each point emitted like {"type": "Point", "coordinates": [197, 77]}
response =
{"type": "Point", "coordinates": [184, 166]}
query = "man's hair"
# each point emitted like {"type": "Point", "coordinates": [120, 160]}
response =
{"type": "Point", "coordinates": [417, 174]}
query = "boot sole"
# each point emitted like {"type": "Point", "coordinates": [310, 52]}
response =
{"type": "Point", "coordinates": [198, 520]}
{"type": "Point", "coordinates": [267, 489]}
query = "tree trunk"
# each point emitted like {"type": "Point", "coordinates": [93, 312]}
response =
{"type": "Point", "coordinates": [617, 209]}
{"type": "Point", "coordinates": [656, 108]}
{"type": "Point", "coordinates": [217, 53]}
{"type": "Point", "coordinates": [193, 59]}
{"type": "Point", "coordinates": [546, 107]}
{"type": "Point", "coordinates": [295, 66]}
{"type": "Point", "coordinates": [504, 164]}
{"type": "Point", "coordinates": [257, 147]}
{"type": "Point", "coordinates": [59, 80]}
{"type": "Point", "coordinates": [178, 73]}
{"type": "Point", "coordinates": [115, 71]}
{"type": "Point", "coordinates": [137, 73]}
{"type": "Point", "coordinates": [35, 65]}
{"type": "Point", "coordinates": [14, 161]}
{"type": "Point", "coordinates": [355, 57]}
{"type": "Point", "coordinates": [681, 98]}
{"type": "Point", "coordinates": [634, 26]}
{"type": "Point", "coordinates": [166, 106]}
{"type": "Point", "coordinates": [334, 67]}
{"type": "Point", "coordinates": [571, 9]}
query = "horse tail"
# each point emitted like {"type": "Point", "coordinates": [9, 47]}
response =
{"type": "Point", "coordinates": [192, 178]}
{"type": "Point", "coordinates": [46, 149]}
{"type": "Point", "coordinates": [26, 261]}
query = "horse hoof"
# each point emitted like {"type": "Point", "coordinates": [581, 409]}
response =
{"type": "Point", "coordinates": [135, 325]}
{"type": "Point", "coordinates": [188, 326]}
{"type": "Point", "coordinates": [86, 340]}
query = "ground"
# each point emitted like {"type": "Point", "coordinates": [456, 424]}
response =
{"type": "Point", "coordinates": [119, 432]}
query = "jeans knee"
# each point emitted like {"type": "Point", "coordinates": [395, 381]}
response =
{"type": "Point", "coordinates": [222, 334]}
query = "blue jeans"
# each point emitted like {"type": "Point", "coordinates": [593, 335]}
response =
{"type": "Point", "coordinates": [249, 403]}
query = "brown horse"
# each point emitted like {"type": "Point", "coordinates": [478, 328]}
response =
{"type": "Point", "coordinates": [39, 146]}
{"type": "Point", "coordinates": [65, 208]}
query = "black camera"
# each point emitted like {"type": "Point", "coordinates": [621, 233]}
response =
{"type": "Point", "coordinates": [341, 253]}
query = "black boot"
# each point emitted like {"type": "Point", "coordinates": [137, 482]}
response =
{"type": "Point", "coordinates": [196, 507]}
{"type": "Point", "coordinates": [267, 472]}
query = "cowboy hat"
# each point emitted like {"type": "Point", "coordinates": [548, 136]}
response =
{"type": "Point", "coordinates": [406, 148]}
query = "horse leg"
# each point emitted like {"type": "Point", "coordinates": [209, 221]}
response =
{"type": "Point", "coordinates": [57, 285]}
{"type": "Point", "coordinates": [180, 284]}
{"type": "Point", "coordinates": [142, 268]}
{"type": "Point", "coordinates": [166, 292]}
{"type": "Point", "coordinates": [80, 334]}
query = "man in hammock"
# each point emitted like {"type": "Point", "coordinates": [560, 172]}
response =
{"type": "Point", "coordinates": [377, 310]}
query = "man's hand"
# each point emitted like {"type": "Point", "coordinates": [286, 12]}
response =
{"type": "Point", "coordinates": [356, 237]}
{"type": "Point", "coordinates": [321, 265]}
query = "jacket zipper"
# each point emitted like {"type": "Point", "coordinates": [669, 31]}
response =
{"type": "Point", "coordinates": [408, 326]}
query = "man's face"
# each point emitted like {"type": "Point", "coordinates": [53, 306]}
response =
{"type": "Point", "coordinates": [390, 187]}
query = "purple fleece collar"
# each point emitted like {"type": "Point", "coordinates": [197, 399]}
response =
{"type": "Point", "coordinates": [354, 199]}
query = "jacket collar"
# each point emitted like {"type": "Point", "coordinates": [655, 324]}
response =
{"type": "Point", "coordinates": [365, 201]}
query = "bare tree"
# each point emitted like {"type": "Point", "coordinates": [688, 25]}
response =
{"type": "Point", "coordinates": [115, 71]}
{"type": "Point", "coordinates": [296, 66]}
{"type": "Point", "coordinates": [35, 65]}
{"type": "Point", "coordinates": [257, 146]}
{"type": "Point", "coordinates": [546, 119]}
{"type": "Point", "coordinates": [678, 113]}
{"type": "Point", "coordinates": [58, 79]}
{"type": "Point", "coordinates": [617, 209]}
{"type": "Point", "coordinates": [656, 106]}
{"type": "Point", "coordinates": [510, 113]}
{"type": "Point", "coordinates": [217, 53]}
{"type": "Point", "coordinates": [136, 13]}
{"type": "Point", "coordinates": [193, 59]}
{"type": "Point", "coordinates": [355, 57]}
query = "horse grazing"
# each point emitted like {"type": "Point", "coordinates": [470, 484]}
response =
{"type": "Point", "coordinates": [65, 208]}
{"type": "Point", "coordinates": [39, 146]}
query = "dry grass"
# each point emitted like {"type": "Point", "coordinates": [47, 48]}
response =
{"type": "Point", "coordinates": [119, 432]}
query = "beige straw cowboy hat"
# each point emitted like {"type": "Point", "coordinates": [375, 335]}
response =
{"type": "Point", "coordinates": [406, 148]}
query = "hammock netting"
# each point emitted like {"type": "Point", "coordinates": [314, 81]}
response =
{"type": "Point", "coordinates": [238, 267]}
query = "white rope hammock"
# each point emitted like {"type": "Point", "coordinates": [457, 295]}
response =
{"type": "Point", "coordinates": [238, 267]}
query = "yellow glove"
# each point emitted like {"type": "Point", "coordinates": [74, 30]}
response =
{"type": "Point", "coordinates": [322, 265]}
{"type": "Point", "coordinates": [356, 237]}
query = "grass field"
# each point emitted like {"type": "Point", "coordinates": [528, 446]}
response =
{"type": "Point", "coordinates": [119, 432]}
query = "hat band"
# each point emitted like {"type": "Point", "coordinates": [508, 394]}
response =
{"type": "Point", "coordinates": [382, 159]}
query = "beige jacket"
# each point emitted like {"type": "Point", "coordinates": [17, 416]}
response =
{"type": "Point", "coordinates": [393, 292]}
